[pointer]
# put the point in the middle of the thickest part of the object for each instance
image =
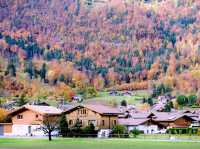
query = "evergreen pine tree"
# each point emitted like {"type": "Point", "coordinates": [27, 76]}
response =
{"type": "Point", "coordinates": [11, 70]}
{"type": "Point", "coordinates": [77, 128]}
{"type": "Point", "coordinates": [43, 72]}
{"type": "Point", "coordinates": [150, 101]}
{"type": "Point", "coordinates": [63, 126]}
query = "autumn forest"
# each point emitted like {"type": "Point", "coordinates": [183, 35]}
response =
{"type": "Point", "coordinates": [60, 48]}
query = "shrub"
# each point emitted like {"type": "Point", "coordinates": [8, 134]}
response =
{"type": "Point", "coordinates": [124, 103]}
{"type": "Point", "coordinates": [182, 100]}
{"type": "Point", "coordinates": [135, 132]}
{"type": "Point", "coordinates": [90, 92]}
{"type": "Point", "coordinates": [150, 101]}
{"type": "Point", "coordinates": [22, 100]}
{"type": "Point", "coordinates": [182, 131]}
{"type": "Point", "coordinates": [192, 99]}
{"type": "Point", "coordinates": [76, 130]}
{"type": "Point", "coordinates": [89, 131]}
{"type": "Point", "coordinates": [119, 131]}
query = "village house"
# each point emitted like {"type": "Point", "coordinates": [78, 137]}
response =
{"type": "Point", "coordinates": [102, 116]}
{"type": "Point", "coordinates": [26, 120]}
{"type": "Point", "coordinates": [172, 119]}
{"type": "Point", "coordinates": [141, 121]}
{"type": "Point", "coordinates": [195, 115]}
{"type": "Point", "coordinates": [157, 122]}
{"type": "Point", "coordinates": [146, 126]}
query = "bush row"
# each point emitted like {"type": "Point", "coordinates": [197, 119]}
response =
{"type": "Point", "coordinates": [182, 131]}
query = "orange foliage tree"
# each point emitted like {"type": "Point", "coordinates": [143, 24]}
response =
{"type": "Point", "coordinates": [3, 114]}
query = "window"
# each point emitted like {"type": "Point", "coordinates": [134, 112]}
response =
{"type": "Point", "coordinates": [103, 122]}
{"type": "Point", "coordinates": [70, 122]}
{"type": "Point", "coordinates": [19, 116]}
{"type": "Point", "coordinates": [82, 111]}
{"type": "Point", "coordinates": [29, 129]}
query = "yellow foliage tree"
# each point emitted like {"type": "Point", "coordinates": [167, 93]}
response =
{"type": "Point", "coordinates": [3, 114]}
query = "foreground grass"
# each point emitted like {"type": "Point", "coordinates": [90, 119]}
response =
{"type": "Point", "coordinates": [93, 144]}
{"type": "Point", "coordinates": [168, 136]}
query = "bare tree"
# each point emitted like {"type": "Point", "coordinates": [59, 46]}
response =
{"type": "Point", "coordinates": [50, 124]}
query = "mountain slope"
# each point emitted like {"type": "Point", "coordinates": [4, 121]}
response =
{"type": "Point", "coordinates": [123, 45]}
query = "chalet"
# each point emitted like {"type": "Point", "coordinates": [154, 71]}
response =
{"type": "Point", "coordinates": [103, 117]}
{"type": "Point", "coordinates": [172, 119]}
{"type": "Point", "coordinates": [158, 106]}
{"type": "Point", "coordinates": [195, 116]}
{"type": "Point", "coordinates": [27, 120]}
{"type": "Point", "coordinates": [141, 121]}
{"type": "Point", "coordinates": [158, 122]}
{"type": "Point", "coordinates": [145, 125]}
{"type": "Point", "coordinates": [167, 119]}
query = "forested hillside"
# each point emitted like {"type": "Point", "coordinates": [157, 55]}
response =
{"type": "Point", "coordinates": [61, 47]}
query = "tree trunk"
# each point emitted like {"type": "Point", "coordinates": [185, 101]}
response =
{"type": "Point", "coordinates": [50, 136]}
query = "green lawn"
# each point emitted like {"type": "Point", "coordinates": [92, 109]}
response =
{"type": "Point", "coordinates": [105, 97]}
{"type": "Point", "coordinates": [167, 137]}
{"type": "Point", "coordinates": [93, 144]}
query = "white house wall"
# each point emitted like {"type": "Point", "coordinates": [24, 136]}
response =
{"type": "Point", "coordinates": [22, 130]}
{"type": "Point", "coordinates": [151, 129]}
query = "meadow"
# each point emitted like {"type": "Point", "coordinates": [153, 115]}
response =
{"type": "Point", "coordinates": [105, 97]}
{"type": "Point", "coordinates": [93, 144]}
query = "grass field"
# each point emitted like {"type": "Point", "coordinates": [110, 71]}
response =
{"type": "Point", "coordinates": [93, 144]}
{"type": "Point", "coordinates": [105, 97]}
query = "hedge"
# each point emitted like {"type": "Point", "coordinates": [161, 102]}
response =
{"type": "Point", "coordinates": [182, 131]}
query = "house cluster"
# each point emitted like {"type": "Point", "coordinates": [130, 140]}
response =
{"type": "Point", "coordinates": [159, 122]}
{"type": "Point", "coordinates": [162, 101]}
{"type": "Point", "coordinates": [26, 120]}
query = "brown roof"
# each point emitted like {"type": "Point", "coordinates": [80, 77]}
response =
{"type": "Point", "coordinates": [132, 122]}
{"type": "Point", "coordinates": [39, 109]}
{"type": "Point", "coordinates": [141, 115]}
{"type": "Point", "coordinates": [101, 109]}
{"type": "Point", "coordinates": [168, 116]}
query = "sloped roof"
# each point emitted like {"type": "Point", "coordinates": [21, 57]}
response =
{"type": "Point", "coordinates": [131, 121]}
{"type": "Point", "coordinates": [194, 116]}
{"type": "Point", "coordinates": [168, 116]}
{"type": "Point", "coordinates": [65, 107]}
{"type": "Point", "coordinates": [101, 109]}
{"type": "Point", "coordinates": [39, 109]}
{"type": "Point", "coordinates": [141, 115]}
